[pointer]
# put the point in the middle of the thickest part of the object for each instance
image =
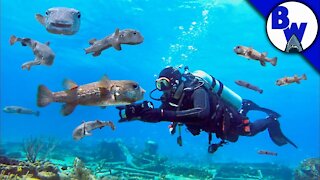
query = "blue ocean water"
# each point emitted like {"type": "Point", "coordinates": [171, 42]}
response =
{"type": "Point", "coordinates": [200, 34]}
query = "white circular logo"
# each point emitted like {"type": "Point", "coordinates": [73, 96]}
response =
{"type": "Point", "coordinates": [292, 27]}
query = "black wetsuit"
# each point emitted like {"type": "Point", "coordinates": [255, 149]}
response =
{"type": "Point", "coordinates": [200, 109]}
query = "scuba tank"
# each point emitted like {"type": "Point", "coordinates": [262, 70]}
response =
{"type": "Point", "coordinates": [226, 94]}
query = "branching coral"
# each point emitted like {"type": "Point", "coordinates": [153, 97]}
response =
{"type": "Point", "coordinates": [32, 147]}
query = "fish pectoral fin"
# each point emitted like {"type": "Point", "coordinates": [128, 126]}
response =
{"type": "Point", "coordinates": [40, 18]}
{"type": "Point", "coordinates": [27, 65]}
{"type": "Point", "coordinates": [69, 84]}
{"type": "Point", "coordinates": [298, 81]}
{"type": "Point", "coordinates": [91, 41]}
{"type": "Point", "coordinates": [97, 53]}
{"type": "Point", "coordinates": [115, 40]}
{"type": "Point", "coordinates": [86, 133]}
{"type": "Point", "coordinates": [67, 109]}
{"type": "Point", "coordinates": [115, 91]}
{"type": "Point", "coordinates": [116, 45]}
{"type": "Point", "coordinates": [48, 43]}
{"type": "Point", "coordinates": [13, 39]}
{"type": "Point", "coordinates": [263, 63]}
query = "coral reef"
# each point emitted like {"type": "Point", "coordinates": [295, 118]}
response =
{"type": "Point", "coordinates": [114, 160]}
{"type": "Point", "coordinates": [34, 146]}
{"type": "Point", "coordinates": [79, 172]}
{"type": "Point", "coordinates": [16, 169]}
{"type": "Point", "coordinates": [308, 169]}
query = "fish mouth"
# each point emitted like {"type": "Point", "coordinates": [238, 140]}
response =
{"type": "Point", "coordinates": [61, 25]}
{"type": "Point", "coordinates": [66, 29]}
{"type": "Point", "coordinates": [143, 93]}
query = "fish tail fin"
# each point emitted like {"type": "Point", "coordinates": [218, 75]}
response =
{"type": "Point", "coordinates": [37, 113]}
{"type": "Point", "coordinates": [273, 61]}
{"type": "Point", "coordinates": [45, 96]}
{"type": "Point", "coordinates": [296, 79]}
{"type": "Point", "coordinates": [110, 123]}
{"type": "Point", "coordinates": [86, 50]}
{"type": "Point", "coordinates": [13, 39]}
{"type": "Point", "coordinates": [304, 77]}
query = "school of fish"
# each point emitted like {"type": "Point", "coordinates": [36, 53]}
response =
{"type": "Point", "coordinates": [105, 92]}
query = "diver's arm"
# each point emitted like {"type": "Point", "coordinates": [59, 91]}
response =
{"type": "Point", "coordinates": [200, 110]}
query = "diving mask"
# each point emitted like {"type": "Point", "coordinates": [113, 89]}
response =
{"type": "Point", "coordinates": [163, 84]}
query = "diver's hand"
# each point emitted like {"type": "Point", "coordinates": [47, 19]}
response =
{"type": "Point", "coordinates": [133, 111]}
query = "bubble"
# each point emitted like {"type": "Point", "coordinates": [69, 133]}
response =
{"type": "Point", "coordinates": [180, 66]}
{"type": "Point", "coordinates": [205, 12]}
{"type": "Point", "coordinates": [181, 27]}
{"type": "Point", "coordinates": [194, 23]}
{"type": "Point", "coordinates": [184, 56]}
{"type": "Point", "coordinates": [191, 48]}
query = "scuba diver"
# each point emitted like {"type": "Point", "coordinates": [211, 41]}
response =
{"type": "Point", "coordinates": [203, 103]}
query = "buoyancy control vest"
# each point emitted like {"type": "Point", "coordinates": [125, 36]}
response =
{"type": "Point", "coordinates": [216, 86]}
{"type": "Point", "coordinates": [226, 102]}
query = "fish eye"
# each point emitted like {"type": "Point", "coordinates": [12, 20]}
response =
{"type": "Point", "coordinates": [79, 15]}
{"type": "Point", "coordinates": [135, 86]}
{"type": "Point", "coordinates": [238, 47]}
{"type": "Point", "coordinates": [47, 12]}
{"type": "Point", "coordinates": [135, 33]}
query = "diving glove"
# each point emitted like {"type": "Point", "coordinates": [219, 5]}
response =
{"type": "Point", "coordinates": [133, 111]}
